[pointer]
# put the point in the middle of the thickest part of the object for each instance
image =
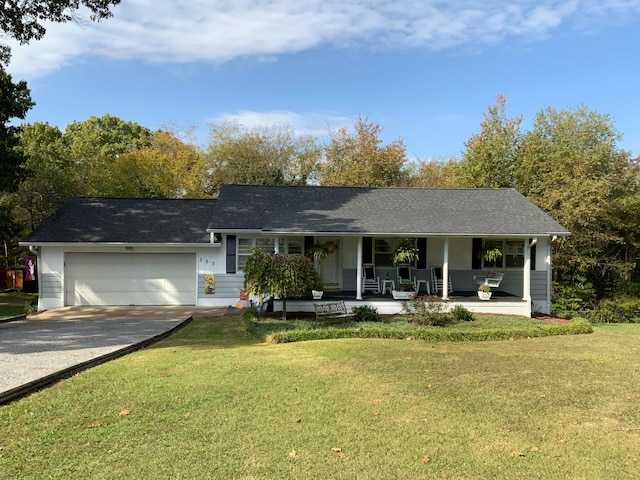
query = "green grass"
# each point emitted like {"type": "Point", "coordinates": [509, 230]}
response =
{"type": "Point", "coordinates": [12, 303]}
{"type": "Point", "coordinates": [213, 402]}
{"type": "Point", "coordinates": [484, 327]}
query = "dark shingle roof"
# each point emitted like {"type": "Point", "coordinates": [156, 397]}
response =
{"type": "Point", "coordinates": [356, 210]}
{"type": "Point", "coordinates": [127, 220]}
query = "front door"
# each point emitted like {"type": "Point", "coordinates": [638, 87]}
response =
{"type": "Point", "coordinates": [331, 268]}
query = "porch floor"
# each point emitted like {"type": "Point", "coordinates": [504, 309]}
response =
{"type": "Point", "coordinates": [500, 302]}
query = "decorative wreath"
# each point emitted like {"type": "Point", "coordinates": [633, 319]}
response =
{"type": "Point", "coordinates": [331, 246]}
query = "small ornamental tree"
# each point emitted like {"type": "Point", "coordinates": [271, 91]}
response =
{"type": "Point", "coordinates": [280, 275]}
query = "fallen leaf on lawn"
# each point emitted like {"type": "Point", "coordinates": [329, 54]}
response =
{"type": "Point", "coordinates": [299, 420]}
{"type": "Point", "coordinates": [124, 412]}
{"type": "Point", "coordinates": [426, 458]}
{"type": "Point", "coordinates": [429, 386]}
{"type": "Point", "coordinates": [336, 449]}
{"type": "Point", "coordinates": [515, 453]}
{"type": "Point", "coordinates": [511, 339]}
{"type": "Point", "coordinates": [560, 440]}
{"type": "Point", "coordinates": [341, 455]}
{"type": "Point", "coordinates": [408, 338]}
{"type": "Point", "coordinates": [293, 453]}
{"type": "Point", "coordinates": [377, 400]}
{"type": "Point", "coordinates": [187, 415]}
{"type": "Point", "coordinates": [534, 449]}
{"type": "Point", "coordinates": [377, 412]}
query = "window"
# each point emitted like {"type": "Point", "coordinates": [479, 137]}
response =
{"type": "Point", "coordinates": [267, 245]}
{"type": "Point", "coordinates": [245, 249]}
{"type": "Point", "coordinates": [512, 254]}
{"type": "Point", "coordinates": [383, 249]}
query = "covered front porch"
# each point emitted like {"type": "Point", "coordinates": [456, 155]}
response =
{"type": "Point", "coordinates": [500, 304]}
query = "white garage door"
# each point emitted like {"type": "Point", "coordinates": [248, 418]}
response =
{"type": "Point", "coordinates": [130, 279]}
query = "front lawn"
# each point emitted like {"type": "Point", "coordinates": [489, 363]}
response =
{"type": "Point", "coordinates": [484, 327]}
{"type": "Point", "coordinates": [214, 402]}
{"type": "Point", "coordinates": [12, 303]}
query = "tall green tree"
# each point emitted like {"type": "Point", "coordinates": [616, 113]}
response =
{"type": "Point", "coordinates": [265, 155]}
{"type": "Point", "coordinates": [49, 174]}
{"type": "Point", "coordinates": [167, 168]}
{"type": "Point", "coordinates": [95, 143]}
{"type": "Point", "coordinates": [358, 158]}
{"type": "Point", "coordinates": [571, 167]}
{"type": "Point", "coordinates": [491, 158]}
{"type": "Point", "coordinates": [15, 102]}
{"type": "Point", "coordinates": [24, 20]}
{"type": "Point", "coordinates": [433, 173]}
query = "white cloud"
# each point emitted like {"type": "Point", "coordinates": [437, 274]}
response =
{"type": "Point", "coordinates": [311, 122]}
{"type": "Point", "coordinates": [221, 30]}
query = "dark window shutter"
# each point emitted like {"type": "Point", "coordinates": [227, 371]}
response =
{"type": "Point", "coordinates": [476, 261]}
{"type": "Point", "coordinates": [231, 254]}
{"type": "Point", "coordinates": [533, 257]}
{"type": "Point", "coordinates": [367, 249]}
{"type": "Point", "coordinates": [422, 253]}
{"type": "Point", "coordinates": [308, 243]}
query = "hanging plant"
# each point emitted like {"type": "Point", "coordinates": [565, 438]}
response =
{"type": "Point", "coordinates": [490, 253]}
{"type": "Point", "coordinates": [319, 251]}
{"type": "Point", "coordinates": [405, 252]}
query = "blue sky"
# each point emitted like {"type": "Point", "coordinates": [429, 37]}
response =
{"type": "Point", "coordinates": [425, 70]}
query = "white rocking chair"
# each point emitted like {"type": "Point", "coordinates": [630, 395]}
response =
{"type": "Point", "coordinates": [437, 282]}
{"type": "Point", "coordinates": [404, 275]}
{"type": "Point", "coordinates": [371, 280]}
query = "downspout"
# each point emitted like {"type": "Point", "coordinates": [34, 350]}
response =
{"type": "Point", "coordinates": [359, 270]}
{"type": "Point", "coordinates": [36, 251]}
{"type": "Point", "coordinates": [526, 276]}
{"type": "Point", "coordinates": [445, 270]}
{"type": "Point", "coordinates": [549, 272]}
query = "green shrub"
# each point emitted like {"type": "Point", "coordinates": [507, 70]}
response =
{"type": "Point", "coordinates": [461, 314]}
{"type": "Point", "coordinates": [428, 311]}
{"type": "Point", "coordinates": [617, 310]}
{"type": "Point", "coordinates": [568, 299]}
{"type": "Point", "coordinates": [450, 334]}
{"type": "Point", "coordinates": [634, 289]}
{"type": "Point", "coordinates": [31, 306]}
{"type": "Point", "coordinates": [365, 313]}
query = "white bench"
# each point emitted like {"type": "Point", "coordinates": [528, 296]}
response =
{"type": "Point", "coordinates": [332, 310]}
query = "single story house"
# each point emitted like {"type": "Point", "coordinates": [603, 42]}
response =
{"type": "Point", "coordinates": [115, 251]}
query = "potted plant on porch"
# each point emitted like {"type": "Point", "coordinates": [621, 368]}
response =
{"type": "Point", "coordinates": [484, 292]}
{"type": "Point", "coordinates": [318, 252]}
{"type": "Point", "coordinates": [405, 291]}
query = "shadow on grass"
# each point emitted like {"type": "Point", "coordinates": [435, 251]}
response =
{"type": "Point", "coordinates": [223, 332]}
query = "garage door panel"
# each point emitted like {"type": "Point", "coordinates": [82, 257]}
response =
{"type": "Point", "coordinates": [130, 279]}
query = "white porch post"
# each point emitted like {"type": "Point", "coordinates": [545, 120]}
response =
{"type": "Point", "coordinates": [445, 270]}
{"type": "Point", "coordinates": [276, 245]}
{"type": "Point", "coordinates": [359, 270]}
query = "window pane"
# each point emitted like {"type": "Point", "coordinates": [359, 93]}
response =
{"type": "Point", "coordinates": [383, 252]}
{"type": "Point", "coordinates": [514, 253]}
{"type": "Point", "coordinates": [295, 247]}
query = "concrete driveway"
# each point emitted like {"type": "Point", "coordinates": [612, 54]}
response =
{"type": "Point", "coordinates": [50, 345]}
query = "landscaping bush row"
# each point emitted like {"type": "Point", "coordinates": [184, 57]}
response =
{"type": "Point", "coordinates": [451, 334]}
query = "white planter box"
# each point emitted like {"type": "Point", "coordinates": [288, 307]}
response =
{"type": "Point", "coordinates": [317, 294]}
{"type": "Point", "coordinates": [400, 295]}
{"type": "Point", "coordinates": [484, 295]}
